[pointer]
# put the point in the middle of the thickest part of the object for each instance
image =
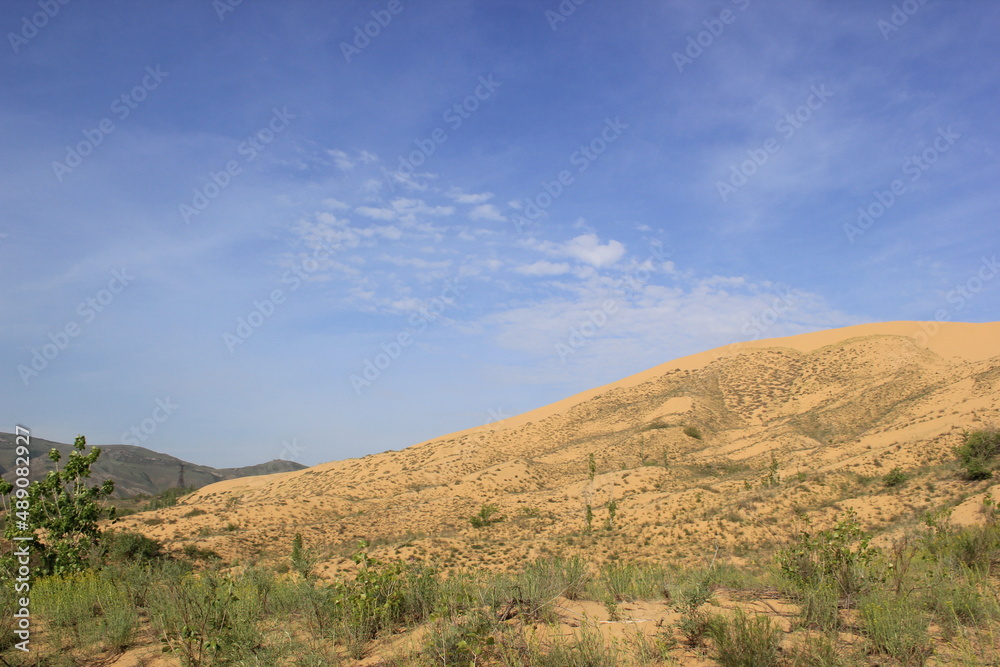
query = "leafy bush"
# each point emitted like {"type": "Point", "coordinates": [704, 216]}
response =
{"type": "Point", "coordinates": [64, 509]}
{"type": "Point", "coordinates": [209, 617]}
{"type": "Point", "coordinates": [487, 517]}
{"type": "Point", "coordinates": [371, 603]}
{"type": "Point", "coordinates": [460, 641]}
{"type": "Point", "coordinates": [977, 452]}
{"type": "Point", "coordinates": [129, 547]}
{"type": "Point", "coordinates": [744, 641]}
{"type": "Point", "coordinates": [692, 432]}
{"type": "Point", "coordinates": [894, 477]}
{"type": "Point", "coordinates": [828, 556]}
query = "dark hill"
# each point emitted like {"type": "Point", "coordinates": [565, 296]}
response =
{"type": "Point", "coordinates": [135, 470]}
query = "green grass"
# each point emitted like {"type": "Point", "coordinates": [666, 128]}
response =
{"type": "Point", "coordinates": [745, 640]}
{"type": "Point", "coordinates": [937, 589]}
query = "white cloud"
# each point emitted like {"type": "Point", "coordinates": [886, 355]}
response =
{"type": "Point", "coordinates": [487, 212]}
{"type": "Point", "coordinates": [376, 213]}
{"type": "Point", "coordinates": [464, 198]}
{"type": "Point", "coordinates": [335, 204]}
{"type": "Point", "coordinates": [587, 248]}
{"type": "Point", "coordinates": [642, 325]}
{"type": "Point", "coordinates": [341, 159]}
{"type": "Point", "coordinates": [543, 268]}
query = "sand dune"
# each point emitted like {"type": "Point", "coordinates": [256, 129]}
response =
{"type": "Point", "coordinates": [684, 449]}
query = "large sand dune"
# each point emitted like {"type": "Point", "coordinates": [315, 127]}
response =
{"type": "Point", "coordinates": [833, 410]}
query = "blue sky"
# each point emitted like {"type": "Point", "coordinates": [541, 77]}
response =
{"type": "Point", "coordinates": [240, 231]}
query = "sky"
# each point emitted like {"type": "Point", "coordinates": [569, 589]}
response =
{"type": "Point", "coordinates": [238, 231]}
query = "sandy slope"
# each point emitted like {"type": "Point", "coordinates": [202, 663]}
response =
{"type": "Point", "coordinates": [836, 409]}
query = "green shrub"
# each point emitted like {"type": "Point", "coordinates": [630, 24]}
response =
{"type": "Point", "coordinates": [818, 651]}
{"type": "Point", "coordinates": [957, 598]}
{"type": "Point", "coordinates": [692, 432]}
{"type": "Point", "coordinates": [744, 641]}
{"type": "Point", "coordinates": [371, 603]}
{"type": "Point", "coordinates": [841, 555]}
{"type": "Point", "coordinates": [622, 580]}
{"type": "Point", "coordinates": [586, 648]}
{"type": "Point", "coordinates": [551, 577]}
{"type": "Point", "coordinates": [208, 617]}
{"type": "Point", "coordinates": [694, 625]}
{"type": "Point", "coordinates": [487, 517]}
{"type": "Point", "coordinates": [88, 609]}
{"type": "Point", "coordinates": [977, 451]}
{"type": "Point", "coordinates": [127, 546]}
{"type": "Point", "coordinates": [460, 641]}
{"type": "Point", "coordinates": [194, 552]}
{"type": "Point", "coordinates": [894, 477]}
{"type": "Point", "coordinates": [819, 606]}
{"type": "Point", "coordinates": [167, 498]}
{"type": "Point", "coordinates": [895, 627]}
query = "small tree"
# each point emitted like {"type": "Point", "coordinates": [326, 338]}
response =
{"type": "Point", "coordinates": [591, 467]}
{"type": "Point", "coordinates": [612, 511]}
{"type": "Point", "coordinates": [977, 452]}
{"type": "Point", "coordinates": [65, 510]}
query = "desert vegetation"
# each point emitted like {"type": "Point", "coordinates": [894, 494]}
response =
{"type": "Point", "coordinates": [838, 595]}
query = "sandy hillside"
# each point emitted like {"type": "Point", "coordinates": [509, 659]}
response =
{"type": "Point", "coordinates": [725, 450]}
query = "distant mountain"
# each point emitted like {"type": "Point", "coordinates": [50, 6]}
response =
{"type": "Point", "coordinates": [135, 470]}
